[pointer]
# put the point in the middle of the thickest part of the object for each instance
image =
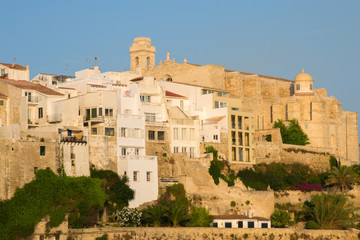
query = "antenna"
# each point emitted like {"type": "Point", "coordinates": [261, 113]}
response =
{"type": "Point", "coordinates": [66, 69]}
{"type": "Point", "coordinates": [14, 59]}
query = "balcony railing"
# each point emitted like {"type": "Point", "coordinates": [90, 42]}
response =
{"type": "Point", "coordinates": [54, 118]}
{"type": "Point", "coordinates": [73, 139]}
{"type": "Point", "coordinates": [32, 99]}
{"type": "Point", "coordinates": [94, 119]}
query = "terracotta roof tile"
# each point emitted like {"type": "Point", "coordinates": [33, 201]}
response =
{"type": "Point", "coordinates": [66, 88]}
{"type": "Point", "coordinates": [31, 86]}
{"type": "Point", "coordinates": [96, 85]}
{"type": "Point", "coordinates": [137, 79]}
{"type": "Point", "coordinates": [15, 66]}
{"type": "Point", "coordinates": [171, 94]}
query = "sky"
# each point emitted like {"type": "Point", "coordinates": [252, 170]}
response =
{"type": "Point", "coordinates": [275, 38]}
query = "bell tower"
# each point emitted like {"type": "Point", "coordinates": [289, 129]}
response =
{"type": "Point", "coordinates": [142, 54]}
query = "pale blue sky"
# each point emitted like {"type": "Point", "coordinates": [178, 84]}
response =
{"type": "Point", "coordinates": [276, 38]}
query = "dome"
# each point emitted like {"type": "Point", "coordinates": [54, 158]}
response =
{"type": "Point", "coordinates": [303, 76]}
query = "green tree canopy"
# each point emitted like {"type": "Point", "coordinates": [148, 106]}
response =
{"type": "Point", "coordinates": [50, 195]}
{"type": "Point", "coordinates": [292, 134]}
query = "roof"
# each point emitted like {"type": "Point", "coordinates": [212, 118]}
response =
{"type": "Point", "coordinates": [171, 94]}
{"type": "Point", "coordinates": [3, 95]}
{"type": "Point", "coordinates": [66, 88]}
{"type": "Point", "coordinates": [47, 74]}
{"type": "Point", "coordinates": [137, 79]}
{"type": "Point", "coordinates": [31, 86]}
{"type": "Point", "coordinates": [224, 217]}
{"type": "Point", "coordinates": [96, 85]}
{"type": "Point", "coordinates": [14, 66]}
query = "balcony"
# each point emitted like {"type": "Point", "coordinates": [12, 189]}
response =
{"type": "Point", "coordinates": [32, 100]}
{"type": "Point", "coordinates": [99, 119]}
{"type": "Point", "coordinates": [73, 139]}
{"type": "Point", "coordinates": [137, 158]}
{"type": "Point", "coordinates": [53, 118]}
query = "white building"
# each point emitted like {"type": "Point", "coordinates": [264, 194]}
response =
{"type": "Point", "coordinates": [14, 71]}
{"type": "Point", "coordinates": [240, 221]}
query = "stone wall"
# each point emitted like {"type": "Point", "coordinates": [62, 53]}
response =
{"type": "Point", "coordinates": [162, 233]}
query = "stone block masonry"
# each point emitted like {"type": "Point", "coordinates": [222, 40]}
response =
{"type": "Point", "coordinates": [162, 233]}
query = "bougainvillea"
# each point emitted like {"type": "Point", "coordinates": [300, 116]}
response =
{"type": "Point", "coordinates": [128, 217]}
{"type": "Point", "coordinates": [306, 187]}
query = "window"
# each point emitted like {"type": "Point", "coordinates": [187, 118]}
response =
{"type": "Point", "coordinates": [161, 135]}
{"type": "Point", "coordinates": [183, 134]}
{"type": "Point", "coordinates": [228, 225]}
{"type": "Point", "coordinates": [176, 133]}
{"type": "Point", "coordinates": [233, 153]}
{"type": "Point", "coordinates": [41, 114]}
{"type": "Point", "coordinates": [286, 112]}
{"type": "Point", "coordinates": [149, 176]}
{"type": "Point", "coordinates": [192, 152]}
{"type": "Point", "coordinates": [100, 112]}
{"type": "Point", "coordinates": [233, 137]}
{"type": "Point", "coordinates": [220, 104]}
{"type": "Point", "coordinates": [247, 139]}
{"type": "Point", "coordinates": [192, 134]}
{"type": "Point", "coordinates": [35, 169]}
{"type": "Point", "coordinates": [136, 176]}
{"type": "Point", "coordinates": [93, 112]}
{"type": "Point", "coordinates": [123, 151]}
{"type": "Point", "coordinates": [137, 133]}
{"type": "Point", "coordinates": [311, 86]}
{"type": "Point", "coordinates": [239, 122]}
{"type": "Point", "coordinates": [232, 121]}
{"type": "Point", "coordinates": [297, 86]}
{"type": "Point", "coordinates": [264, 225]}
{"type": "Point", "coordinates": [42, 150]}
{"type": "Point", "coordinates": [150, 117]}
{"type": "Point", "coordinates": [216, 137]}
{"type": "Point", "coordinates": [109, 112]}
{"type": "Point", "coordinates": [251, 224]}
{"type": "Point", "coordinates": [310, 111]}
{"type": "Point", "coordinates": [137, 151]}
{"type": "Point", "coordinates": [109, 131]}
{"type": "Point", "coordinates": [176, 149]}
{"type": "Point", "coordinates": [240, 138]}
{"type": "Point", "coordinates": [72, 152]}
{"type": "Point", "coordinates": [1, 102]}
{"type": "Point", "coordinates": [123, 132]}
{"type": "Point", "coordinates": [151, 135]}
{"type": "Point", "coordinates": [144, 98]}
{"type": "Point", "coordinates": [271, 114]}
{"type": "Point", "coordinates": [223, 94]}
{"type": "Point", "coordinates": [240, 224]}
{"type": "Point", "coordinates": [94, 131]}
{"type": "Point", "coordinates": [241, 155]}
{"type": "Point", "coordinates": [206, 91]}
{"type": "Point", "coordinates": [183, 149]}
{"type": "Point", "coordinates": [215, 224]}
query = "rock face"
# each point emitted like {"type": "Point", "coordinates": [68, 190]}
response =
{"type": "Point", "coordinates": [219, 199]}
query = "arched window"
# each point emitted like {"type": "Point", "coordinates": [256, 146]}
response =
{"type": "Point", "coordinates": [136, 61]}
{"type": "Point", "coordinates": [167, 78]}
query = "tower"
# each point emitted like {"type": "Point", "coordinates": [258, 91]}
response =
{"type": "Point", "coordinates": [142, 54]}
{"type": "Point", "coordinates": [303, 83]}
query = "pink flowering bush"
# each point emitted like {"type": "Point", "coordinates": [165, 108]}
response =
{"type": "Point", "coordinates": [306, 187]}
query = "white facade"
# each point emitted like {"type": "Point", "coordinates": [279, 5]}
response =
{"type": "Point", "coordinates": [14, 71]}
{"type": "Point", "coordinates": [240, 222]}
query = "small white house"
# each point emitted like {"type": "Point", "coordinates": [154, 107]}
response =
{"type": "Point", "coordinates": [240, 221]}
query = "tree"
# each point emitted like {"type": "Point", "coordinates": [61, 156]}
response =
{"type": "Point", "coordinates": [280, 219]}
{"type": "Point", "coordinates": [330, 211]}
{"type": "Point", "coordinates": [199, 217]}
{"type": "Point", "coordinates": [51, 195]}
{"type": "Point", "coordinates": [178, 213]}
{"type": "Point", "coordinates": [341, 177]}
{"type": "Point", "coordinates": [292, 134]}
{"type": "Point", "coordinates": [154, 215]}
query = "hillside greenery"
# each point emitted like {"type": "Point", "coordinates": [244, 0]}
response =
{"type": "Point", "coordinates": [293, 133]}
{"type": "Point", "coordinates": [55, 196]}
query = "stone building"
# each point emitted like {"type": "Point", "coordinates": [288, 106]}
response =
{"type": "Point", "coordinates": [264, 99]}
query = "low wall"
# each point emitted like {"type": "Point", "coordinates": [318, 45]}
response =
{"type": "Point", "coordinates": [210, 233]}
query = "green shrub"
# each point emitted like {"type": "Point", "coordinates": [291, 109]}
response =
{"type": "Point", "coordinates": [233, 204]}
{"type": "Point", "coordinates": [311, 224]}
{"type": "Point", "coordinates": [103, 237]}
{"type": "Point", "coordinates": [280, 219]}
{"type": "Point", "coordinates": [199, 217]}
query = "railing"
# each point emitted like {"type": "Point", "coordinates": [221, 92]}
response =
{"type": "Point", "coordinates": [137, 157]}
{"type": "Point", "coordinates": [54, 118]}
{"type": "Point", "coordinates": [70, 139]}
{"type": "Point", "coordinates": [169, 180]}
{"type": "Point", "coordinates": [95, 119]}
{"type": "Point", "coordinates": [32, 99]}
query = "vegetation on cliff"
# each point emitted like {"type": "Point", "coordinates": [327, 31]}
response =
{"type": "Point", "coordinates": [175, 209]}
{"type": "Point", "coordinates": [82, 197]}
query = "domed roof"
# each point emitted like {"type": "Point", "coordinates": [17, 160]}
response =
{"type": "Point", "coordinates": [303, 76]}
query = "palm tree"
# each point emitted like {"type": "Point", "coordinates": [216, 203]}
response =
{"type": "Point", "coordinates": [341, 177]}
{"type": "Point", "coordinates": [178, 214]}
{"type": "Point", "coordinates": [155, 214]}
{"type": "Point", "coordinates": [330, 211]}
